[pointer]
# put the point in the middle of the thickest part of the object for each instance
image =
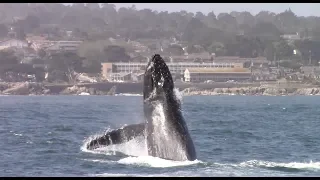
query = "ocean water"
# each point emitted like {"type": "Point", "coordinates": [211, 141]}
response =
{"type": "Point", "coordinates": [233, 136]}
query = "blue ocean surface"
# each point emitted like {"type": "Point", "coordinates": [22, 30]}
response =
{"type": "Point", "coordinates": [233, 136]}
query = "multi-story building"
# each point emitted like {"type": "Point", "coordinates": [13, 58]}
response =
{"type": "Point", "coordinates": [120, 77]}
{"type": "Point", "coordinates": [52, 46]}
{"type": "Point", "coordinates": [216, 74]}
{"type": "Point", "coordinates": [175, 68]}
{"type": "Point", "coordinates": [311, 71]}
{"type": "Point", "coordinates": [291, 37]}
{"type": "Point", "coordinates": [64, 45]}
{"type": "Point", "coordinates": [106, 70]}
{"type": "Point", "coordinates": [255, 62]}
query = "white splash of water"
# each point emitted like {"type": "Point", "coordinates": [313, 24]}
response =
{"type": "Point", "coordinates": [127, 94]}
{"type": "Point", "coordinates": [155, 162]}
{"type": "Point", "coordinates": [169, 174]}
{"type": "Point", "coordinates": [100, 161]}
{"type": "Point", "coordinates": [158, 120]}
{"type": "Point", "coordinates": [150, 66]}
{"type": "Point", "coordinates": [166, 141]}
{"type": "Point", "coordinates": [134, 147]}
{"type": "Point", "coordinates": [161, 81]}
{"type": "Point", "coordinates": [137, 148]}
{"type": "Point", "coordinates": [215, 169]}
{"type": "Point", "coordinates": [152, 94]}
{"type": "Point", "coordinates": [295, 165]}
{"type": "Point", "coordinates": [178, 95]}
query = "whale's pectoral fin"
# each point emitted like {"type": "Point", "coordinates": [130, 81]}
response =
{"type": "Point", "coordinates": [117, 136]}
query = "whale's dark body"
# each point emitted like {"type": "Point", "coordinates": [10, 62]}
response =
{"type": "Point", "coordinates": [165, 130]}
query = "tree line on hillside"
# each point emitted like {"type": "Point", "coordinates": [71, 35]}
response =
{"type": "Point", "coordinates": [225, 34]}
{"type": "Point", "coordinates": [132, 23]}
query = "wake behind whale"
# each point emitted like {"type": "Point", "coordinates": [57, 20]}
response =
{"type": "Point", "coordinates": [165, 130]}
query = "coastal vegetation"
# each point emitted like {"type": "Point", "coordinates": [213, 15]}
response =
{"type": "Point", "coordinates": [225, 34]}
{"type": "Point", "coordinates": [111, 35]}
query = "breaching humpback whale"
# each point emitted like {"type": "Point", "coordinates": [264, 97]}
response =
{"type": "Point", "coordinates": [165, 130]}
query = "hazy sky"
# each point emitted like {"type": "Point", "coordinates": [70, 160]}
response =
{"type": "Point", "coordinates": [301, 9]}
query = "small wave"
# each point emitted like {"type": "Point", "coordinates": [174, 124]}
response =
{"type": "Point", "coordinates": [63, 128]}
{"type": "Point", "coordinates": [99, 160]}
{"type": "Point", "coordinates": [137, 148]}
{"type": "Point", "coordinates": [17, 134]}
{"type": "Point", "coordinates": [181, 173]}
{"type": "Point", "coordinates": [292, 165]}
{"type": "Point", "coordinates": [214, 169]}
{"type": "Point", "coordinates": [98, 151]}
{"type": "Point", "coordinates": [155, 162]}
{"type": "Point", "coordinates": [148, 161]}
{"type": "Point", "coordinates": [127, 94]}
{"type": "Point", "coordinates": [128, 175]}
{"type": "Point", "coordinates": [116, 175]}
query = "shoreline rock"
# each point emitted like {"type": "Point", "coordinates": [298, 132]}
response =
{"type": "Point", "coordinates": [253, 91]}
{"type": "Point", "coordinates": [23, 89]}
{"type": "Point", "coordinates": [27, 88]}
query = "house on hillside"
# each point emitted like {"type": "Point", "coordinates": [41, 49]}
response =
{"type": "Point", "coordinates": [140, 58]}
{"type": "Point", "coordinates": [28, 54]}
{"type": "Point", "coordinates": [106, 69]}
{"type": "Point", "coordinates": [13, 43]}
{"type": "Point", "coordinates": [291, 37]}
{"type": "Point", "coordinates": [120, 77]}
{"type": "Point", "coordinates": [63, 45]}
{"type": "Point", "coordinates": [254, 62]}
{"type": "Point", "coordinates": [199, 57]}
{"type": "Point", "coordinates": [311, 71]}
{"type": "Point", "coordinates": [31, 38]}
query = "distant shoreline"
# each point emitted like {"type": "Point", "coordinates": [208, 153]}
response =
{"type": "Point", "coordinates": [184, 95]}
{"type": "Point", "coordinates": [303, 92]}
{"type": "Point", "coordinates": [135, 89]}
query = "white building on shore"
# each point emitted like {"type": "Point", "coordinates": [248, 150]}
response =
{"type": "Point", "coordinates": [175, 68]}
{"type": "Point", "coordinates": [216, 74]}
